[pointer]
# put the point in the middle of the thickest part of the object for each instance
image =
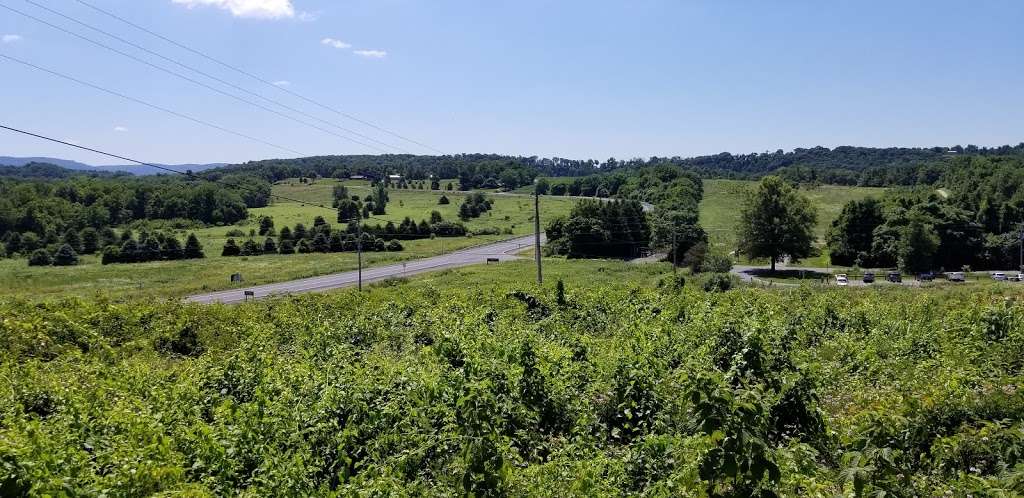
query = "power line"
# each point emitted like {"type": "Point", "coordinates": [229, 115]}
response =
{"type": "Point", "coordinates": [191, 80]}
{"type": "Point", "coordinates": [189, 174]}
{"type": "Point", "coordinates": [255, 77]}
{"type": "Point", "coordinates": [150, 105]}
{"type": "Point", "coordinates": [210, 76]}
{"type": "Point", "coordinates": [157, 166]}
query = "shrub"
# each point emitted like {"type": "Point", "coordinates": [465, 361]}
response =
{"type": "Point", "coordinates": [718, 282]}
{"type": "Point", "coordinates": [444, 199]}
{"type": "Point", "coordinates": [716, 263]}
{"type": "Point", "coordinates": [39, 257]}
{"type": "Point", "coordinates": [394, 246]}
{"type": "Point", "coordinates": [184, 343]}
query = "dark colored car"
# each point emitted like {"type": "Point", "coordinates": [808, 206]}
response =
{"type": "Point", "coordinates": [869, 277]}
{"type": "Point", "coordinates": [894, 277]}
{"type": "Point", "coordinates": [926, 277]}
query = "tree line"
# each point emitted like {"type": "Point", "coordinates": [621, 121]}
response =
{"type": "Point", "coordinates": [321, 237]}
{"type": "Point", "coordinates": [35, 212]}
{"type": "Point", "coordinates": [970, 217]}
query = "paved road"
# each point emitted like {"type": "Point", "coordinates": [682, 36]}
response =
{"type": "Point", "coordinates": [503, 251]}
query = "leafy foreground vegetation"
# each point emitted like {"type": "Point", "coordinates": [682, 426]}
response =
{"type": "Point", "coordinates": [597, 389]}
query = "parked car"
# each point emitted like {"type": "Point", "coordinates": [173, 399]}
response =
{"type": "Point", "coordinates": [1017, 278]}
{"type": "Point", "coordinates": [869, 277]}
{"type": "Point", "coordinates": [841, 280]}
{"type": "Point", "coordinates": [894, 277]}
{"type": "Point", "coordinates": [926, 277]}
{"type": "Point", "coordinates": [999, 276]}
{"type": "Point", "coordinates": [956, 276]}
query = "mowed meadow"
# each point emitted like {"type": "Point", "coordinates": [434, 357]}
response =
{"type": "Point", "coordinates": [511, 216]}
{"type": "Point", "coordinates": [720, 210]}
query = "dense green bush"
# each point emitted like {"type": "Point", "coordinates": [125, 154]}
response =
{"type": "Point", "coordinates": [408, 390]}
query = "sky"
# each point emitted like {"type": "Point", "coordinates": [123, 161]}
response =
{"type": "Point", "coordinates": [571, 78]}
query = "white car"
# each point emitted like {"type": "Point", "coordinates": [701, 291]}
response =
{"type": "Point", "coordinates": [956, 276]}
{"type": "Point", "coordinates": [842, 281]}
{"type": "Point", "coordinates": [999, 276]}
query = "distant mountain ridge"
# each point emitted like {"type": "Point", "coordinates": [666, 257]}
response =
{"type": "Point", "coordinates": [128, 168]}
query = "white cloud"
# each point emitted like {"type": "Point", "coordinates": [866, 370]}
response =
{"type": "Point", "coordinates": [120, 129]}
{"type": "Point", "coordinates": [307, 16]}
{"type": "Point", "coordinates": [371, 54]}
{"type": "Point", "coordinates": [283, 83]}
{"type": "Point", "coordinates": [260, 9]}
{"type": "Point", "coordinates": [11, 38]}
{"type": "Point", "coordinates": [331, 42]}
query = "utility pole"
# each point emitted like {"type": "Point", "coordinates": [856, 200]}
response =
{"type": "Point", "coordinates": [359, 250]}
{"type": "Point", "coordinates": [1021, 237]}
{"type": "Point", "coordinates": [675, 251]}
{"type": "Point", "coordinates": [536, 232]}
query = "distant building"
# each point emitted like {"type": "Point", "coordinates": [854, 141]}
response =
{"type": "Point", "coordinates": [394, 177]}
{"type": "Point", "coordinates": [357, 177]}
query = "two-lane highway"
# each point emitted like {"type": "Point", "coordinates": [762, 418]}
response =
{"type": "Point", "coordinates": [502, 251]}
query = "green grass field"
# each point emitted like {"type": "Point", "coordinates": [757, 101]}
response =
{"type": "Point", "coordinates": [720, 214]}
{"type": "Point", "coordinates": [180, 278]}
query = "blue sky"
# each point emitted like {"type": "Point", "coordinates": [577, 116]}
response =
{"type": "Point", "coordinates": [579, 79]}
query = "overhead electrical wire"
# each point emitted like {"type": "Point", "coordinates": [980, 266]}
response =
{"type": "Point", "coordinates": [149, 104]}
{"type": "Point", "coordinates": [210, 76]}
{"type": "Point", "coordinates": [257, 78]}
{"type": "Point", "coordinates": [189, 79]}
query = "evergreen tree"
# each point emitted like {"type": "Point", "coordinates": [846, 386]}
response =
{"type": "Point", "coordinates": [39, 258]}
{"type": "Point", "coordinates": [266, 225]}
{"type": "Point", "coordinates": [269, 246]}
{"type": "Point", "coordinates": [444, 199]}
{"type": "Point", "coordinates": [111, 254]}
{"type": "Point", "coordinates": [435, 217]}
{"type": "Point", "coordinates": [321, 243]}
{"type": "Point", "coordinates": [14, 243]}
{"type": "Point", "coordinates": [251, 248]}
{"type": "Point", "coordinates": [130, 251]}
{"type": "Point", "coordinates": [90, 240]}
{"type": "Point", "coordinates": [300, 232]}
{"type": "Point", "coordinates": [108, 237]}
{"type": "Point", "coordinates": [286, 234]}
{"type": "Point", "coordinates": [337, 242]}
{"type": "Point", "coordinates": [65, 256]}
{"type": "Point", "coordinates": [287, 247]}
{"type": "Point", "coordinates": [347, 211]}
{"type": "Point", "coordinates": [230, 248]}
{"type": "Point", "coordinates": [193, 250]}
{"type": "Point", "coordinates": [380, 200]}
{"type": "Point", "coordinates": [72, 239]}
{"type": "Point", "coordinates": [304, 247]}
{"type": "Point", "coordinates": [171, 249]}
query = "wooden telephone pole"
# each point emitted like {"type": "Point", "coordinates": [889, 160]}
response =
{"type": "Point", "coordinates": [536, 232]}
